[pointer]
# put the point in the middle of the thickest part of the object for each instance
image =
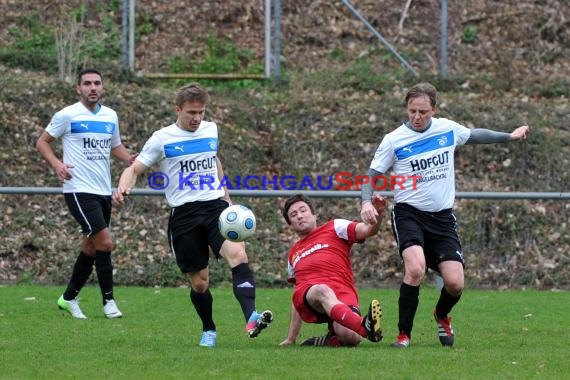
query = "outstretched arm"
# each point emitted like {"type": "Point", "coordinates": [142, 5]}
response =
{"type": "Point", "coordinates": [487, 136]}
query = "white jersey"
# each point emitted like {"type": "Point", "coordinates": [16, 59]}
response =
{"type": "Point", "coordinates": [87, 138]}
{"type": "Point", "coordinates": [427, 158]}
{"type": "Point", "coordinates": [188, 159]}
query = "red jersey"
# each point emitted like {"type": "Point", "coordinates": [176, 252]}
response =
{"type": "Point", "coordinates": [323, 256]}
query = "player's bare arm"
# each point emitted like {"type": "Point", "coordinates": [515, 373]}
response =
{"type": "Point", "coordinates": [121, 153]}
{"type": "Point", "coordinates": [294, 328]}
{"type": "Point", "coordinates": [221, 178]}
{"type": "Point", "coordinates": [128, 180]}
{"type": "Point", "coordinates": [43, 145]}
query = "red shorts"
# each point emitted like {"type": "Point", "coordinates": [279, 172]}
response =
{"type": "Point", "coordinates": [346, 295]}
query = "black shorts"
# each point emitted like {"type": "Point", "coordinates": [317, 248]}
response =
{"type": "Point", "coordinates": [193, 230]}
{"type": "Point", "coordinates": [92, 211]}
{"type": "Point", "coordinates": [435, 232]}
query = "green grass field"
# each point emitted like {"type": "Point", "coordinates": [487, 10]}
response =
{"type": "Point", "coordinates": [499, 335]}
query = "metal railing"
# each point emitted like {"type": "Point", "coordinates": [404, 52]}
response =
{"type": "Point", "coordinates": [315, 193]}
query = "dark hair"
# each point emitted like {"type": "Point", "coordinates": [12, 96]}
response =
{"type": "Point", "coordinates": [422, 89]}
{"type": "Point", "coordinates": [88, 70]}
{"type": "Point", "coordinates": [291, 201]}
{"type": "Point", "coordinates": [192, 92]}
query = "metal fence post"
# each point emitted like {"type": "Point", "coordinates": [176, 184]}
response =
{"type": "Point", "coordinates": [443, 39]}
{"type": "Point", "coordinates": [277, 41]}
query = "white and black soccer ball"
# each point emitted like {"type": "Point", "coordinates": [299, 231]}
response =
{"type": "Point", "coordinates": [237, 223]}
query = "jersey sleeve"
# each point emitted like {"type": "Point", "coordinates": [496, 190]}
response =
{"type": "Point", "coordinates": [116, 136]}
{"type": "Point", "coordinates": [152, 151]}
{"type": "Point", "coordinates": [384, 157]}
{"type": "Point", "coordinates": [346, 229]}
{"type": "Point", "coordinates": [58, 124]}
{"type": "Point", "coordinates": [461, 132]}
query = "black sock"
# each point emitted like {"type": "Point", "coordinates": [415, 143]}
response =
{"type": "Point", "coordinates": [81, 271]}
{"type": "Point", "coordinates": [408, 305]}
{"type": "Point", "coordinates": [104, 269]}
{"type": "Point", "coordinates": [445, 303]}
{"type": "Point", "coordinates": [203, 304]}
{"type": "Point", "coordinates": [244, 288]}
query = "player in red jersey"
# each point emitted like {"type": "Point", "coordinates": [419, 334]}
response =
{"type": "Point", "coordinates": [319, 267]}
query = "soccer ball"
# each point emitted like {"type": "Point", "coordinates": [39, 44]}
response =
{"type": "Point", "coordinates": [237, 223]}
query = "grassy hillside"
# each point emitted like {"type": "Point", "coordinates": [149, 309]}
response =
{"type": "Point", "coordinates": [322, 119]}
{"type": "Point", "coordinates": [507, 243]}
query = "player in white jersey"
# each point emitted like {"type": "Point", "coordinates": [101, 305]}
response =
{"type": "Point", "coordinates": [191, 171]}
{"type": "Point", "coordinates": [422, 151]}
{"type": "Point", "coordinates": [90, 134]}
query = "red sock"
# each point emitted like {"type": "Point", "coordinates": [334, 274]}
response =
{"type": "Point", "coordinates": [344, 315]}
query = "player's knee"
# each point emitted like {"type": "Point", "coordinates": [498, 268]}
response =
{"type": "Point", "coordinates": [415, 272]}
{"type": "Point", "coordinates": [414, 262]}
{"type": "Point", "coordinates": [322, 292]}
{"type": "Point", "coordinates": [198, 281]}
{"type": "Point", "coordinates": [454, 289]}
{"type": "Point", "coordinates": [198, 285]}
{"type": "Point", "coordinates": [105, 245]}
{"type": "Point", "coordinates": [318, 290]}
{"type": "Point", "coordinates": [102, 241]}
{"type": "Point", "coordinates": [234, 253]}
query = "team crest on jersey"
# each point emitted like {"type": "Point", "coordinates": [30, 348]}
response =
{"type": "Point", "coordinates": [442, 140]}
{"type": "Point", "coordinates": [213, 144]}
{"type": "Point", "coordinates": [109, 128]}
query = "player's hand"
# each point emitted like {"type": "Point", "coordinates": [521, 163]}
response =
{"type": "Point", "coordinates": [287, 342]}
{"type": "Point", "coordinates": [368, 213]}
{"type": "Point", "coordinates": [63, 171]}
{"type": "Point", "coordinates": [521, 133]}
{"type": "Point", "coordinates": [379, 203]}
{"type": "Point", "coordinates": [120, 194]}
